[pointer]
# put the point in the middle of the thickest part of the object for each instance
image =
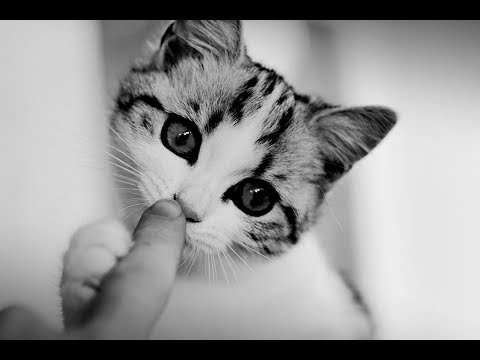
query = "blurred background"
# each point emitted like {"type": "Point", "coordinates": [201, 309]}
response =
{"type": "Point", "coordinates": [403, 223]}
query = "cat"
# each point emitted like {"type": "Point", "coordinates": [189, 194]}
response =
{"type": "Point", "coordinates": [250, 161]}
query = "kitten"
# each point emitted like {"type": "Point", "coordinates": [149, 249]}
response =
{"type": "Point", "coordinates": [250, 161]}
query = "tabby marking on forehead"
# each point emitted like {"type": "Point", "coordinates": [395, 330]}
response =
{"type": "Point", "coordinates": [252, 124]}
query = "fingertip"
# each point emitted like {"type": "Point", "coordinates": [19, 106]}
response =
{"type": "Point", "coordinates": [167, 208]}
{"type": "Point", "coordinates": [137, 289]}
{"type": "Point", "coordinates": [164, 220]}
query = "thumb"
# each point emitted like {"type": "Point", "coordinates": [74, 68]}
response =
{"type": "Point", "coordinates": [134, 294]}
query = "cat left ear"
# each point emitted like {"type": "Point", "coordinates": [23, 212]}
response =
{"type": "Point", "coordinates": [346, 135]}
{"type": "Point", "coordinates": [199, 38]}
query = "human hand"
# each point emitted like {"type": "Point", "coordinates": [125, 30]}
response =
{"type": "Point", "coordinates": [132, 296]}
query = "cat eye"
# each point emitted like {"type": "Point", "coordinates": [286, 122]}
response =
{"type": "Point", "coordinates": [254, 197]}
{"type": "Point", "coordinates": [181, 137]}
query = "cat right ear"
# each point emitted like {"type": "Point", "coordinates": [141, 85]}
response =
{"type": "Point", "coordinates": [196, 39]}
{"type": "Point", "coordinates": [348, 134]}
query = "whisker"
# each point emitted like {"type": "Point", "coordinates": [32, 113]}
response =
{"type": "Point", "coordinates": [209, 270]}
{"type": "Point", "coordinates": [120, 151]}
{"type": "Point", "coordinates": [121, 138]}
{"type": "Point", "coordinates": [230, 261]}
{"type": "Point", "coordinates": [133, 191]}
{"type": "Point", "coordinates": [133, 212]}
{"type": "Point", "coordinates": [205, 261]}
{"type": "Point", "coordinates": [214, 268]}
{"type": "Point", "coordinates": [233, 262]}
{"type": "Point", "coordinates": [138, 204]}
{"type": "Point", "coordinates": [192, 262]}
{"type": "Point", "coordinates": [223, 268]}
{"type": "Point", "coordinates": [125, 182]}
{"type": "Point", "coordinates": [128, 145]}
{"type": "Point", "coordinates": [255, 251]}
{"type": "Point", "coordinates": [185, 260]}
{"type": "Point", "coordinates": [123, 177]}
{"type": "Point", "coordinates": [132, 200]}
{"type": "Point", "coordinates": [125, 169]}
{"type": "Point", "coordinates": [240, 258]}
{"type": "Point", "coordinates": [329, 207]}
{"type": "Point", "coordinates": [124, 163]}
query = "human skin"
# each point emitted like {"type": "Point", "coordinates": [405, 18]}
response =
{"type": "Point", "coordinates": [132, 296]}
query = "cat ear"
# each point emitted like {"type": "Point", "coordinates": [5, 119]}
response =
{"type": "Point", "coordinates": [346, 135]}
{"type": "Point", "coordinates": [221, 39]}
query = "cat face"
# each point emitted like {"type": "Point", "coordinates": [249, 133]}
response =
{"type": "Point", "coordinates": [248, 159]}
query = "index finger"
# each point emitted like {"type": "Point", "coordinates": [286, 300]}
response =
{"type": "Point", "coordinates": [134, 294]}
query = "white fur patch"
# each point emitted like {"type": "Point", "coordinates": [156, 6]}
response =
{"type": "Point", "coordinates": [296, 296]}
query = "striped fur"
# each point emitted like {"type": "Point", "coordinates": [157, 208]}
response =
{"type": "Point", "coordinates": [252, 123]}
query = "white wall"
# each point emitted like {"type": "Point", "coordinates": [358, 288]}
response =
{"type": "Point", "coordinates": [51, 120]}
{"type": "Point", "coordinates": [416, 200]}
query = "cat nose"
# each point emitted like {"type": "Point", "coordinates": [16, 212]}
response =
{"type": "Point", "coordinates": [191, 215]}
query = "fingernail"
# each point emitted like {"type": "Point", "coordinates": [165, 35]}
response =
{"type": "Point", "coordinates": [166, 208]}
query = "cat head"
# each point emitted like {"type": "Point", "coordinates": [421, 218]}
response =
{"type": "Point", "coordinates": [247, 157]}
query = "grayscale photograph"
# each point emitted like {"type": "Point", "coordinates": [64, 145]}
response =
{"type": "Point", "coordinates": [240, 180]}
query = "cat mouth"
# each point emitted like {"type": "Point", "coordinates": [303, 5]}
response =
{"type": "Point", "coordinates": [193, 221]}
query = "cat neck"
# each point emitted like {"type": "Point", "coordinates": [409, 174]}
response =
{"type": "Point", "coordinates": [297, 295]}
